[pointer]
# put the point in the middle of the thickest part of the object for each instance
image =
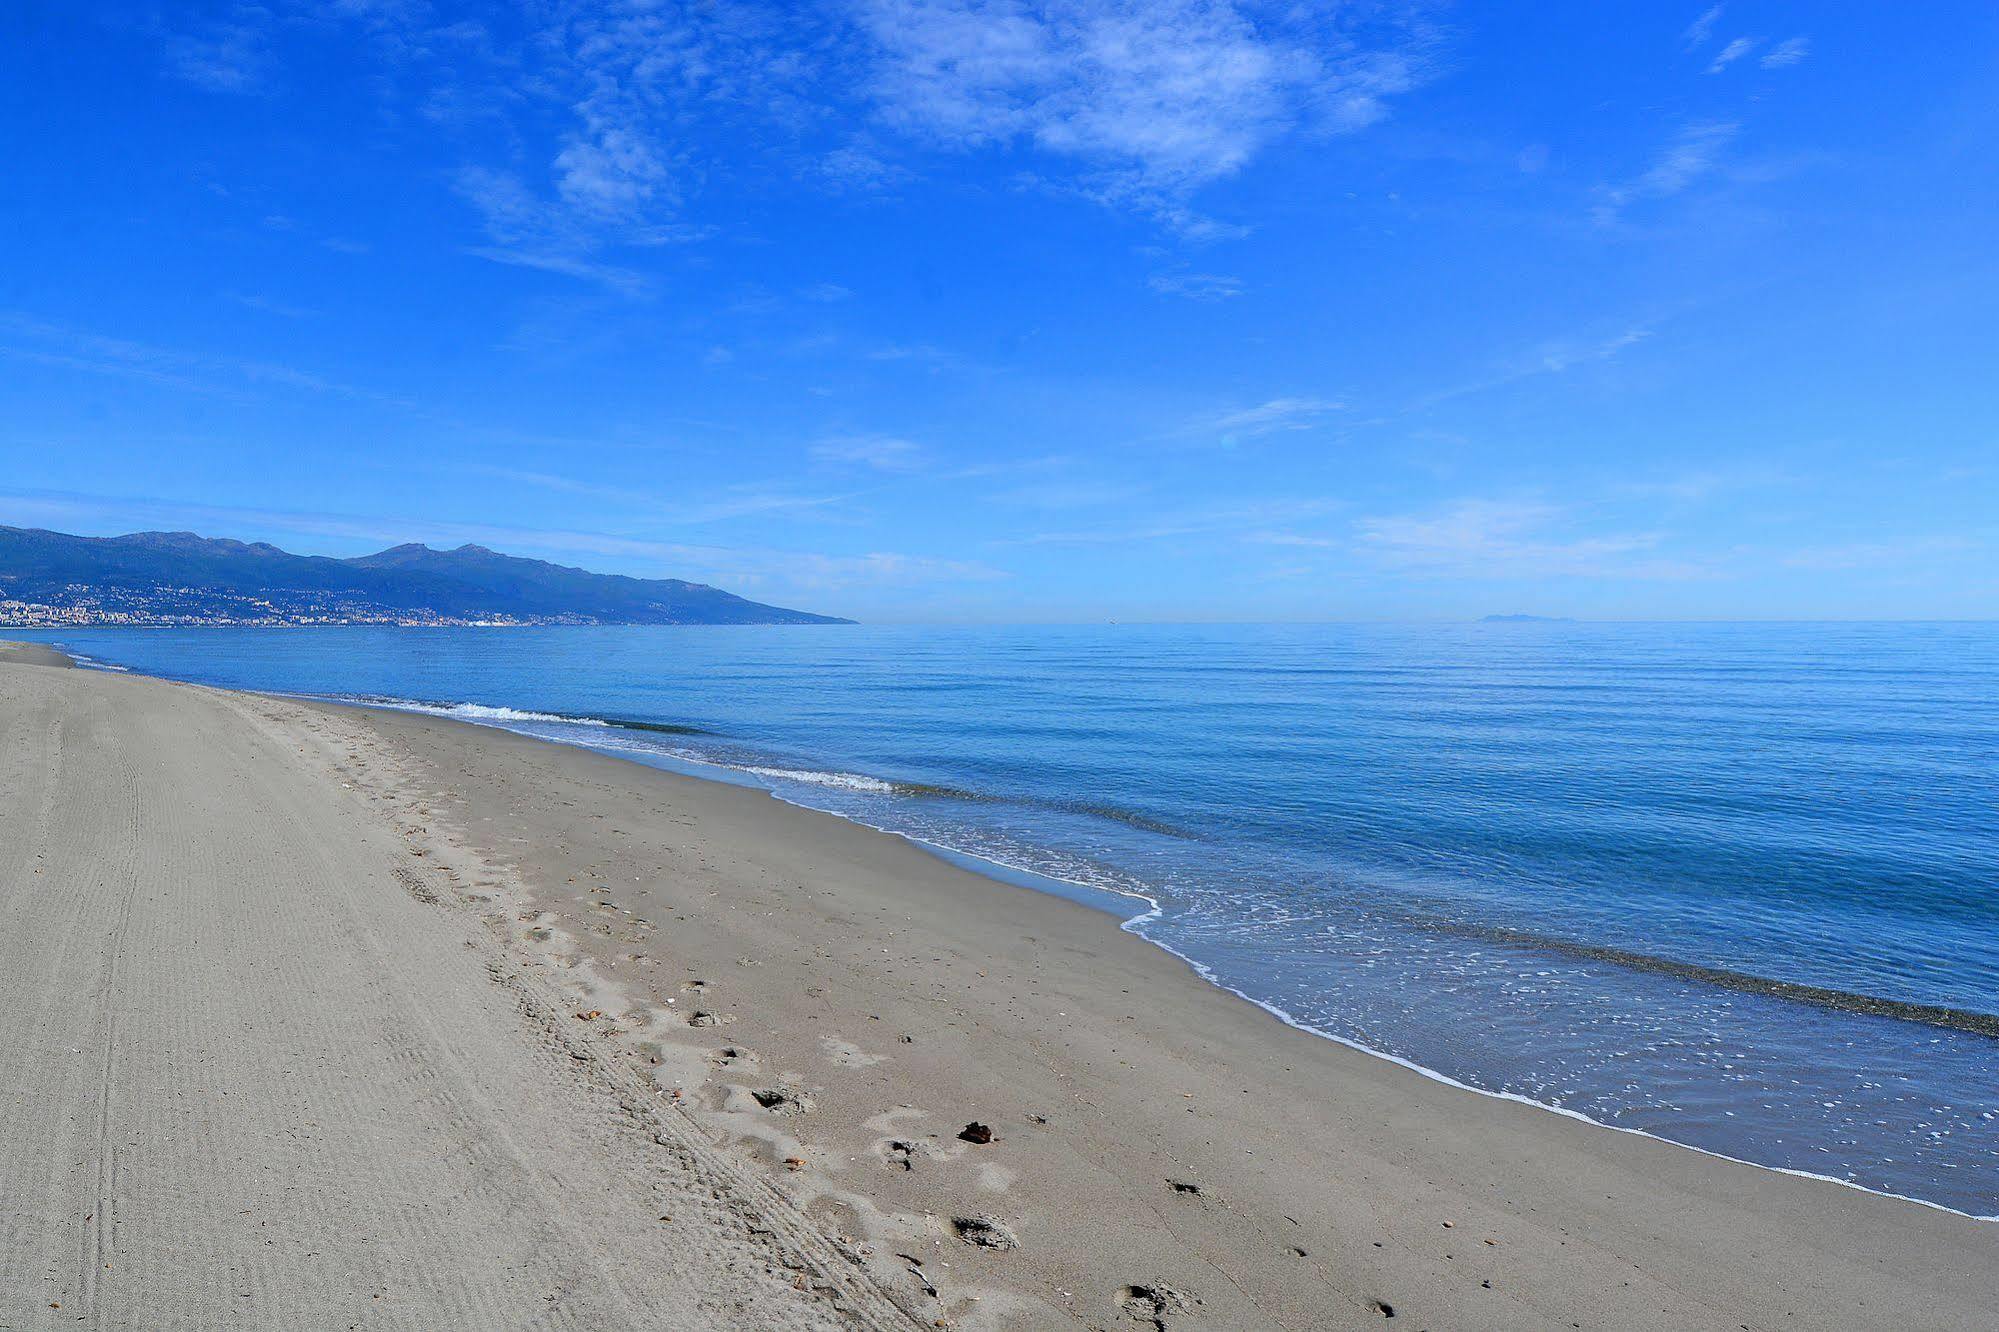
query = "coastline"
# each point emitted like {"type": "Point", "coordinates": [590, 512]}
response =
{"type": "Point", "coordinates": [1133, 909]}
{"type": "Point", "coordinates": [1322, 1184]}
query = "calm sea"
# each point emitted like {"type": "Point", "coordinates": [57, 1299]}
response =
{"type": "Point", "coordinates": [1732, 885]}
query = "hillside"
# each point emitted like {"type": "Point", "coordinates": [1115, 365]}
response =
{"type": "Point", "coordinates": [181, 578]}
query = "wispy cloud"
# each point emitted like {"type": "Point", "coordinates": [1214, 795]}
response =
{"type": "Point", "coordinates": [619, 279]}
{"type": "Point", "coordinates": [1702, 28]}
{"type": "Point", "coordinates": [1137, 104]}
{"type": "Point", "coordinates": [1197, 286]}
{"type": "Point", "coordinates": [266, 305]}
{"type": "Point", "coordinates": [562, 235]}
{"type": "Point", "coordinates": [1555, 357]}
{"type": "Point", "coordinates": [23, 337]}
{"type": "Point", "coordinates": [1693, 153]}
{"type": "Point", "coordinates": [743, 501]}
{"type": "Point", "coordinates": [1879, 555]}
{"type": "Point", "coordinates": [1787, 53]}
{"type": "Point", "coordinates": [1233, 521]}
{"type": "Point", "coordinates": [884, 453]}
{"type": "Point", "coordinates": [1731, 53]}
{"type": "Point", "coordinates": [1295, 540]}
{"type": "Point", "coordinates": [1486, 538]}
{"type": "Point", "coordinates": [1268, 418]}
{"type": "Point", "coordinates": [229, 57]}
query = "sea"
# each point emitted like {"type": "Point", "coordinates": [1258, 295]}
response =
{"type": "Point", "coordinates": [1731, 885]}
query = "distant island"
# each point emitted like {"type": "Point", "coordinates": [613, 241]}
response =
{"type": "Point", "coordinates": [1526, 619]}
{"type": "Point", "coordinates": [179, 578]}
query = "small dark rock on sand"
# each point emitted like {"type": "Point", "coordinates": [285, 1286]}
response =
{"type": "Point", "coordinates": [988, 1232]}
{"type": "Point", "coordinates": [1153, 1304]}
{"type": "Point", "coordinates": [975, 1132]}
{"type": "Point", "coordinates": [783, 1100]}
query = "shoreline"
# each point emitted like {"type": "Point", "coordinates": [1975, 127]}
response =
{"type": "Point", "coordinates": [1030, 880]}
{"type": "Point", "coordinates": [828, 1006]}
{"type": "Point", "coordinates": [1254, 1045]}
{"type": "Point", "coordinates": [496, 717]}
{"type": "Point", "coordinates": [999, 872]}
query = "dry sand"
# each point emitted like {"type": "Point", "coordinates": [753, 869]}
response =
{"type": "Point", "coordinates": [321, 1017]}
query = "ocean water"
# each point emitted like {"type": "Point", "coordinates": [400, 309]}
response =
{"type": "Point", "coordinates": [1736, 886]}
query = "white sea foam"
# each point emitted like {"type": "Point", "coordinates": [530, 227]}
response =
{"type": "Point", "coordinates": [481, 712]}
{"type": "Point", "coordinates": [502, 717]}
{"type": "Point", "coordinates": [846, 781]}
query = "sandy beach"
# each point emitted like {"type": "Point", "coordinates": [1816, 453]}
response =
{"type": "Point", "coordinates": [323, 1017]}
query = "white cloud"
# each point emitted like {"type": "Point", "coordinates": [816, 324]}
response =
{"type": "Point", "coordinates": [1483, 538]}
{"type": "Point", "coordinates": [1156, 97]}
{"type": "Point", "coordinates": [267, 305]}
{"type": "Point", "coordinates": [1701, 28]}
{"type": "Point", "coordinates": [1267, 418]}
{"type": "Point", "coordinates": [1555, 357]}
{"type": "Point", "coordinates": [860, 168]}
{"type": "Point", "coordinates": [610, 275]}
{"type": "Point", "coordinates": [1731, 53]}
{"type": "Point", "coordinates": [884, 453]}
{"type": "Point", "coordinates": [1879, 555]}
{"type": "Point", "coordinates": [1558, 357]}
{"type": "Point", "coordinates": [613, 174]}
{"type": "Point", "coordinates": [605, 104]}
{"type": "Point", "coordinates": [1692, 154]}
{"type": "Point", "coordinates": [1236, 521]}
{"type": "Point", "coordinates": [1197, 286]}
{"type": "Point", "coordinates": [23, 337]}
{"type": "Point", "coordinates": [1295, 540]}
{"type": "Point", "coordinates": [1787, 53]}
{"type": "Point", "coordinates": [230, 57]}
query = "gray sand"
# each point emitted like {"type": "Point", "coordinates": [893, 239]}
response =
{"type": "Point", "coordinates": [32, 654]}
{"type": "Point", "coordinates": [296, 995]}
{"type": "Point", "coordinates": [256, 1077]}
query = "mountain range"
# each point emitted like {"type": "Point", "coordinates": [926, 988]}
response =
{"type": "Point", "coordinates": [181, 578]}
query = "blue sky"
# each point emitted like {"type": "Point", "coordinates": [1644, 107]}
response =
{"type": "Point", "coordinates": [968, 310]}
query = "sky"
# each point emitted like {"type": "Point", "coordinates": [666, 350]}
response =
{"type": "Point", "coordinates": [988, 310]}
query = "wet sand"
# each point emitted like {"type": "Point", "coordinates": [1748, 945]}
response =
{"type": "Point", "coordinates": [804, 1009]}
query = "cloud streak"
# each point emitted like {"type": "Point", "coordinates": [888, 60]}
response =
{"type": "Point", "coordinates": [883, 453]}
{"type": "Point", "coordinates": [1275, 416]}
{"type": "Point", "coordinates": [1787, 53]}
{"type": "Point", "coordinates": [1487, 538]}
{"type": "Point", "coordinates": [1693, 153]}
{"type": "Point", "coordinates": [1702, 28]}
{"type": "Point", "coordinates": [1731, 53]}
